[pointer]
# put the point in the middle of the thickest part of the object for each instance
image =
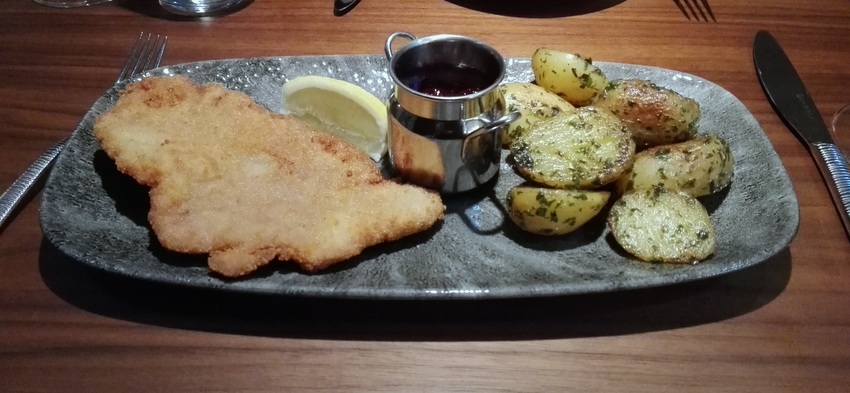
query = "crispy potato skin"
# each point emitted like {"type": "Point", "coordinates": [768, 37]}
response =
{"type": "Point", "coordinates": [573, 154]}
{"type": "Point", "coordinates": [534, 103]}
{"type": "Point", "coordinates": [653, 115]}
{"type": "Point", "coordinates": [698, 167]}
{"type": "Point", "coordinates": [552, 212]}
{"type": "Point", "coordinates": [569, 75]}
{"type": "Point", "coordinates": [584, 149]}
{"type": "Point", "coordinates": [656, 225]}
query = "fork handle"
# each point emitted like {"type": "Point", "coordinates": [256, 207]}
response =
{"type": "Point", "coordinates": [12, 197]}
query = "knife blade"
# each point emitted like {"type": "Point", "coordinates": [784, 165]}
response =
{"type": "Point", "coordinates": [789, 97]}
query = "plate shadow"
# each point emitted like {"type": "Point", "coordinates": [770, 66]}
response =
{"type": "Point", "coordinates": [593, 315]}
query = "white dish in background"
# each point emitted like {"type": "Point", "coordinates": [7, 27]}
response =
{"type": "Point", "coordinates": [840, 127]}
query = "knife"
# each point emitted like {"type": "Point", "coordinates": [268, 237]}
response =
{"type": "Point", "coordinates": [341, 7]}
{"type": "Point", "coordinates": [785, 90]}
{"type": "Point", "coordinates": [12, 198]}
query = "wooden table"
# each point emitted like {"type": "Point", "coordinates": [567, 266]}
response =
{"type": "Point", "coordinates": [783, 325]}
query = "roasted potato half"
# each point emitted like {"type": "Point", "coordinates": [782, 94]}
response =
{"type": "Point", "coordinates": [656, 225]}
{"type": "Point", "coordinates": [567, 74]}
{"type": "Point", "coordinates": [698, 167]}
{"type": "Point", "coordinates": [533, 103]}
{"type": "Point", "coordinates": [584, 149]}
{"type": "Point", "coordinates": [654, 115]}
{"type": "Point", "coordinates": [549, 211]}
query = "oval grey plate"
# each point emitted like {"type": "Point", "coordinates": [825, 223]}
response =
{"type": "Point", "coordinates": [98, 216]}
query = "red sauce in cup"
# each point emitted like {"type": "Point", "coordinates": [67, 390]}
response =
{"type": "Point", "coordinates": [448, 80]}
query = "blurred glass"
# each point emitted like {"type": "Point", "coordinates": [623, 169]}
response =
{"type": "Point", "coordinates": [70, 3]}
{"type": "Point", "coordinates": [201, 7]}
{"type": "Point", "coordinates": [841, 130]}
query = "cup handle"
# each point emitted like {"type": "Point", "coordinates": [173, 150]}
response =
{"type": "Point", "coordinates": [488, 127]}
{"type": "Point", "coordinates": [388, 46]}
{"type": "Point", "coordinates": [502, 121]}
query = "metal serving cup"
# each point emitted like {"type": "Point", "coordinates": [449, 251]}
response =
{"type": "Point", "coordinates": [451, 143]}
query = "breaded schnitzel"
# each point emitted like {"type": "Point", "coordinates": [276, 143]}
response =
{"type": "Point", "coordinates": [231, 179]}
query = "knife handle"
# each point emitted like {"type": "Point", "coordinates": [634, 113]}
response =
{"type": "Point", "coordinates": [833, 166]}
{"type": "Point", "coordinates": [22, 186]}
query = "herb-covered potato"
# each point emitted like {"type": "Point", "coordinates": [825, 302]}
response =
{"type": "Point", "coordinates": [549, 211]}
{"type": "Point", "coordinates": [654, 115]}
{"type": "Point", "coordinates": [533, 103]}
{"type": "Point", "coordinates": [662, 226]}
{"type": "Point", "coordinates": [586, 148]}
{"type": "Point", "coordinates": [568, 75]}
{"type": "Point", "coordinates": [698, 167]}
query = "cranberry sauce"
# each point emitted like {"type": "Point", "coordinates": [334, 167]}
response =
{"type": "Point", "coordinates": [448, 80]}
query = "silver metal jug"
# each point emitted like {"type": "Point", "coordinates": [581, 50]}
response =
{"type": "Point", "coordinates": [446, 111]}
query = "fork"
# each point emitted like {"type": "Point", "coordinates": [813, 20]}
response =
{"type": "Point", "coordinates": [698, 10]}
{"type": "Point", "coordinates": [146, 54]}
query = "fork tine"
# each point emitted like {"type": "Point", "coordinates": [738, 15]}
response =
{"type": "Point", "coordinates": [140, 59]}
{"type": "Point", "coordinates": [161, 53]}
{"type": "Point", "coordinates": [707, 9]}
{"type": "Point", "coordinates": [133, 53]}
{"type": "Point", "coordinates": [144, 55]}
{"type": "Point", "coordinates": [154, 55]}
{"type": "Point", "coordinates": [682, 9]}
{"type": "Point", "coordinates": [690, 4]}
{"type": "Point", "coordinates": [698, 10]}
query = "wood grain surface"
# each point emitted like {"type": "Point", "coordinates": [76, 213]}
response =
{"type": "Point", "coordinates": [781, 326]}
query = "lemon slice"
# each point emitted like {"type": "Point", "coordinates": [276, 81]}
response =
{"type": "Point", "coordinates": [339, 108]}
